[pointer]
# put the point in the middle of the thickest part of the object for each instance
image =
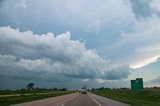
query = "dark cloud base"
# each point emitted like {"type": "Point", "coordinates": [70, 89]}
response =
{"type": "Point", "coordinates": [52, 59]}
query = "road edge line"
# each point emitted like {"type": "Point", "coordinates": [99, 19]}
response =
{"type": "Point", "coordinates": [94, 100]}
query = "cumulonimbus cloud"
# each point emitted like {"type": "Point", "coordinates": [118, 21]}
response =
{"type": "Point", "coordinates": [50, 57]}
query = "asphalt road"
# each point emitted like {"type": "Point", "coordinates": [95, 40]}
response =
{"type": "Point", "coordinates": [75, 99]}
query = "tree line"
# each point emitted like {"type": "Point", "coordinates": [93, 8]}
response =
{"type": "Point", "coordinates": [31, 86]}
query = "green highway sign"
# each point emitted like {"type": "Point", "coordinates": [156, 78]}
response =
{"type": "Point", "coordinates": [137, 84]}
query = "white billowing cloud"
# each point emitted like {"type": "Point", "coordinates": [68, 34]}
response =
{"type": "Point", "coordinates": [21, 4]}
{"type": "Point", "coordinates": [155, 5]}
{"type": "Point", "coordinates": [145, 62]}
{"type": "Point", "coordinates": [156, 80]}
{"type": "Point", "coordinates": [80, 13]}
{"type": "Point", "coordinates": [49, 57]}
{"type": "Point", "coordinates": [153, 82]}
{"type": "Point", "coordinates": [145, 40]}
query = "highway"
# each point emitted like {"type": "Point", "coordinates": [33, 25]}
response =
{"type": "Point", "coordinates": [75, 99]}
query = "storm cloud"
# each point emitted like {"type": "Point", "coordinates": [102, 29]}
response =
{"type": "Point", "coordinates": [24, 55]}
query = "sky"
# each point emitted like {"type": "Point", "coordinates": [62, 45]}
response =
{"type": "Point", "coordinates": [70, 43]}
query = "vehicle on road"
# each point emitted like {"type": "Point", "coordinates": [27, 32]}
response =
{"type": "Point", "coordinates": [84, 90]}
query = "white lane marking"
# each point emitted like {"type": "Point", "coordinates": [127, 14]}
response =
{"type": "Point", "coordinates": [94, 100]}
{"type": "Point", "coordinates": [63, 104]}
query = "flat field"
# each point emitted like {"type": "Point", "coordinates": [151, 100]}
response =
{"type": "Point", "coordinates": [135, 98]}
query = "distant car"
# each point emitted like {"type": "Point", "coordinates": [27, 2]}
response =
{"type": "Point", "coordinates": [83, 91]}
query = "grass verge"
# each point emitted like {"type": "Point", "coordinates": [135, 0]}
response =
{"type": "Point", "coordinates": [135, 98]}
{"type": "Point", "coordinates": [10, 92]}
{"type": "Point", "coordinates": [7, 101]}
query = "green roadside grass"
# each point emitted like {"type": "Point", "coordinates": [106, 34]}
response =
{"type": "Point", "coordinates": [7, 101]}
{"type": "Point", "coordinates": [10, 92]}
{"type": "Point", "coordinates": [135, 98]}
